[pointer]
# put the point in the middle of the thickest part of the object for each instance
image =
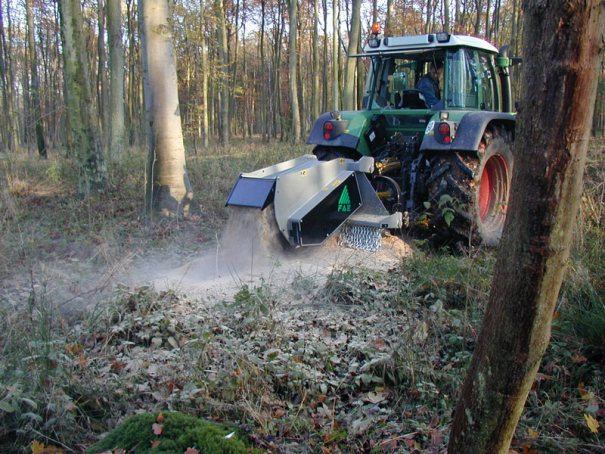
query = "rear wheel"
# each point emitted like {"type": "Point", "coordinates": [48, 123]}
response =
{"type": "Point", "coordinates": [469, 193]}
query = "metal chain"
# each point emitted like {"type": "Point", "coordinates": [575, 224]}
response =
{"type": "Point", "coordinates": [361, 237]}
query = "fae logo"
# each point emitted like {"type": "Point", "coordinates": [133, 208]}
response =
{"type": "Point", "coordinates": [344, 203]}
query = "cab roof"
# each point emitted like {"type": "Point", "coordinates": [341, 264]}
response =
{"type": "Point", "coordinates": [423, 43]}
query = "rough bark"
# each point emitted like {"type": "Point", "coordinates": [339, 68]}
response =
{"type": "Point", "coordinates": [85, 144]}
{"type": "Point", "coordinates": [563, 44]}
{"type": "Point", "coordinates": [116, 71]}
{"type": "Point", "coordinates": [168, 188]}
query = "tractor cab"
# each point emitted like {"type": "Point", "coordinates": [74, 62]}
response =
{"type": "Point", "coordinates": [468, 81]}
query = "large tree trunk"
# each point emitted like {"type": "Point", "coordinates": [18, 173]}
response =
{"type": "Point", "coordinates": [562, 48]}
{"type": "Point", "coordinates": [293, 85]}
{"type": "Point", "coordinates": [116, 71]}
{"type": "Point", "coordinates": [349, 101]}
{"type": "Point", "coordinates": [168, 188]}
{"type": "Point", "coordinates": [34, 87]}
{"type": "Point", "coordinates": [85, 143]}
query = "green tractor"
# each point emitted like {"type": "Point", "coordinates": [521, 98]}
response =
{"type": "Point", "coordinates": [416, 155]}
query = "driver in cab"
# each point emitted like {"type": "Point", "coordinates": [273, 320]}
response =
{"type": "Point", "coordinates": [429, 84]}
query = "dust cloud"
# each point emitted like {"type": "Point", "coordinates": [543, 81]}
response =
{"type": "Point", "coordinates": [252, 249]}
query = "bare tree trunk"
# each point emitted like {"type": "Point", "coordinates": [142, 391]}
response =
{"type": "Point", "coordinates": [103, 81]}
{"type": "Point", "coordinates": [168, 188]}
{"type": "Point", "coordinates": [85, 143]}
{"type": "Point", "coordinates": [553, 130]}
{"type": "Point", "coordinates": [205, 124]}
{"type": "Point", "coordinates": [223, 55]}
{"type": "Point", "coordinates": [34, 88]}
{"type": "Point", "coordinates": [116, 71]}
{"type": "Point", "coordinates": [293, 70]}
{"type": "Point", "coordinates": [8, 84]}
{"type": "Point", "coordinates": [315, 107]}
{"type": "Point", "coordinates": [324, 98]}
{"type": "Point", "coordinates": [335, 62]}
{"type": "Point", "coordinates": [388, 24]}
{"type": "Point", "coordinates": [354, 37]}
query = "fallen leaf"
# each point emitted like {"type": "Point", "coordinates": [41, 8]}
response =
{"type": "Point", "coordinates": [40, 448]}
{"type": "Point", "coordinates": [532, 433]}
{"type": "Point", "coordinates": [160, 418]}
{"type": "Point", "coordinates": [155, 444]}
{"type": "Point", "coordinates": [37, 447]}
{"type": "Point", "coordinates": [192, 451]}
{"type": "Point", "coordinates": [157, 429]}
{"type": "Point", "coordinates": [579, 359]}
{"type": "Point", "coordinates": [585, 394]}
{"type": "Point", "coordinates": [379, 344]}
{"type": "Point", "coordinates": [527, 450]}
{"type": "Point", "coordinates": [592, 423]}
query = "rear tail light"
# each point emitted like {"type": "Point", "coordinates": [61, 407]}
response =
{"type": "Point", "coordinates": [445, 132]}
{"type": "Point", "coordinates": [328, 128]}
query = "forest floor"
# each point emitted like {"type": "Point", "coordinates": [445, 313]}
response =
{"type": "Point", "coordinates": [105, 314]}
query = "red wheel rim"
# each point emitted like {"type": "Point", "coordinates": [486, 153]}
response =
{"type": "Point", "coordinates": [493, 192]}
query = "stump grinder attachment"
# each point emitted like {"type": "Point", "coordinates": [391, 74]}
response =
{"type": "Point", "coordinates": [315, 199]}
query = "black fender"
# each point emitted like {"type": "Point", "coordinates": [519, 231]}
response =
{"type": "Point", "coordinates": [339, 137]}
{"type": "Point", "coordinates": [469, 132]}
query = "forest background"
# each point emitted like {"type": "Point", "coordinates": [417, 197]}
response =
{"type": "Point", "coordinates": [67, 377]}
{"type": "Point", "coordinates": [232, 62]}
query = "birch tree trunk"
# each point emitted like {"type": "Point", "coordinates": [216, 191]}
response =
{"type": "Point", "coordinates": [85, 144]}
{"type": "Point", "coordinates": [562, 49]}
{"type": "Point", "coordinates": [168, 188]}
{"type": "Point", "coordinates": [116, 70]}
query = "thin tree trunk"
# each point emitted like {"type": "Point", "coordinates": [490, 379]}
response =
{"type": "Point", "coordinates": [553, 131]}
{"type": "Point", "coordinates": [293, 70]}
{"type": "Point", "coordinates": [354, 37]}
{"type": "Point", "coordinates": [116, 70]}
{"type": "Point", "coordinates": [34, 87]}
{"type": "Point", "coordinates": [8, 86]}
{"type": "Point", "coordinates": [103, 81]}
{"type": "Point", "coordinates": [315, 91]}
{"type": "Point", "coordinates": [388, 23]}
{"type": "Point", "coordinates": [203, 44]}
{"type": "Point", "coordinates": [335, 62]}
{"type": "Point", "coordinates": [223, 55]}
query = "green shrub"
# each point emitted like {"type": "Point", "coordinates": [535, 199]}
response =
{"type": "Point", "coordinates": [176, 433]}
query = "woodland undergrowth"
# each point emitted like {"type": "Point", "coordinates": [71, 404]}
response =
{"type": "Point", "coordinates": [367, 361]}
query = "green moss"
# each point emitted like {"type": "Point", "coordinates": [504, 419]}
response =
{"type": "Point", "coordinates": [178, 432]}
